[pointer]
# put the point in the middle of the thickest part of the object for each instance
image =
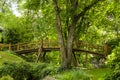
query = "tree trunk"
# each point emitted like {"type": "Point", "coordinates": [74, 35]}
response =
{"type": "Point", "coordinates": [60, 35]}
{"type": "Point", "coordinates": [67, 46]}
{"type": "Point", "coordinates": [70, 43]}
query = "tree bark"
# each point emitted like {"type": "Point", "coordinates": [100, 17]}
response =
{"type": "Point", "coordinates": [60, 35]}
{"type": "Point", "coordinates": [67, 46]}
{"type": "Point", "coordinates": [70, 42]}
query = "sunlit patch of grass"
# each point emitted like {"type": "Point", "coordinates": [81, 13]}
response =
{"type": "Point", "coordinates": [6, 78]}
{"type": "Point", "coordinates": [8, 57]}
{"type": "Point", "coordinates": [73, 75]}
{"type": "Point", "coordinates": [83, 74]}
{"type": "Point", "coordinates": [98, 74]}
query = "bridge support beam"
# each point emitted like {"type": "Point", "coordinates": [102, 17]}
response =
{"type": "Point", "coordinates": [86, 59]}
{"type": "Point", "coordinates": [44, 54]}
{"type": "Point", "coordinates": [10, 46]}
{"type": "Point", "coordinates": [106, 49]}
{"type": "Point", "coordinates": [74, 60]}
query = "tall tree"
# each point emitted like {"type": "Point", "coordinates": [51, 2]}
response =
{"type": "Point", "coordinates": [69, 14]}
{"type": "Point", "coordinates": [73, 16]}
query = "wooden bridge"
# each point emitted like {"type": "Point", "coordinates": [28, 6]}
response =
{"type": "Point", "coordinates": [52, 45]}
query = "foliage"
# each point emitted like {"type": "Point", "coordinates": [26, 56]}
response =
{"type": "Point", "coordinates": [36, 4]}
{"type": "Point", "coordinates": [40, 71]}
{"type": "Point", "coordinates": [53, 57]}
{"type": "Point", "coordinates": [12, 35]}
{"type": "Point", "coordinates": [24, 70]}
{"type": "Point", "coordinates": [16, 34]}
{"type": "Point", "coordinates": [114, 58]}
{"type": "Point", "coordinates": [82, 74]}
{"type": "Point", "coordinates": [6, 78]}
{"type": "Point", "coordinates": [114, 75]}
{"type": "Point", "coordinates": [29, 58]}
{"type": "Point", "coordinates": [16, 71]}
{"type": "Point", "coordinates": [73, 75]}
{"type": "Point", "coordinates": [97, 23]}
{"type": "Point", "coordinates": [98, 74]}
{"type": "Point", "coordinates": [114, 64]}
{"type": "Point", "coordinates": [9, 57]}
{"type": "Point", "coordinates": [113, 43]}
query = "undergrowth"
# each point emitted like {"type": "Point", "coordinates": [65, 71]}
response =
{"type": "Point", "coordinates": [24, 70]}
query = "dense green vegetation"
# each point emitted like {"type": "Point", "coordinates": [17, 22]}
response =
{"type": "Point", "coordinates": [114, 64]}
{"type": "Point", "coordinates": [83, 74]}
{"type": "Point", "coordinates": [66, 23]}
{"type": "Point", "coordinates": [9, 57]}
{"type": "Point", "coordinates": [18, 69]}
{"type": "Point", "coordinates": [21, 71]}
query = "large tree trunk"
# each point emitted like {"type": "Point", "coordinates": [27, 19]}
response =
{"type": "Point", "coordinates": [60, 35]}
{"type": "Point", "coordinates": [67, 46]}
{"type": "Point", "coordinates": [70, 43]}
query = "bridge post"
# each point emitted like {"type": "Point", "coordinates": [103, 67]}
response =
{"type": "Point", "coordinates": [44, 56]}
{"type": "Point", "coordinates": [25, 45]}
{"type": "Point", "coordinates": [10, 46]}
{"type": "Point", "coordinates": [74, 60]}
{"type": "Point", "coordinates": [106, 49]}
{"type": "Point", "coordinates": [47, 42]}
{"type": "Point", "coordinates": [18, 46]}
{"type": "Point", "coordinates": [86, 59]}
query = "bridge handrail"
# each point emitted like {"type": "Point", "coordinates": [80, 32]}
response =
{"type": "Point", "coordinates": [52, 44]}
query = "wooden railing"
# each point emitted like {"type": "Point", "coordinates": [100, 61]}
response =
{"type": "Point", "coordinates": [89, 47]}
{"type": "Point", "coordinates": [53, 44]}
{"type": "Point", "coordinates": [19, 46]}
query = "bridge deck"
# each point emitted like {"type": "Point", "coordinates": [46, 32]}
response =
{"type": "Point", "coordinates": [21, 48]}
{"type": "Point", "coordinates": [55, 49]}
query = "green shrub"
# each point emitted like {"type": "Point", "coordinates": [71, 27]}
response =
{"type": "Point", "coordinates": [15, 70]}
{"type": "Point", "coordinates": [114, 75]}
{"type": "Point", "coordinates": [6, 78]}
{"type": "Point", "coordinates": [114, 63]}
{"type": "Point", "coordinates": [40, 71]}
{"type": "Point", "coordinates": [73, 75]}
{"type": "Point", "coordinates": [113, 43]}
{"type": "Point", "coordinates": [80, 75]}
{"type": "Point", "coordinates": [114, 59]}
{"type": "Point", "coordinates": [24, 70]}
{"type": "Point", "coordinates": [12, 35]}
{"type": "Point", "coordinates": [16, 34]}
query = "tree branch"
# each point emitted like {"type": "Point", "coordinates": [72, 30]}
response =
{"type": "Point", "coordinates": [3, 4]}
{"type": "Point", "coordinates": [74, 4]}
{"type": "Point", "coordinates": [58, 21]}
{"type": "Point", "coordinates": [86, 9]}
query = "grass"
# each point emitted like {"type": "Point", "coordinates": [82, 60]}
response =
{"type": "Point", "coordinates": [6, 56]}
{"type": "Point", "coordinates": [6, 78]}
{"type": "Point", "coordinates": [98, 74]}
{"type": "Point", "coordinates": [9, 57]}
{"type": "Point", "coordinates": [83, 74]}
{"type": "Point", "coordinates": [75, 74]}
